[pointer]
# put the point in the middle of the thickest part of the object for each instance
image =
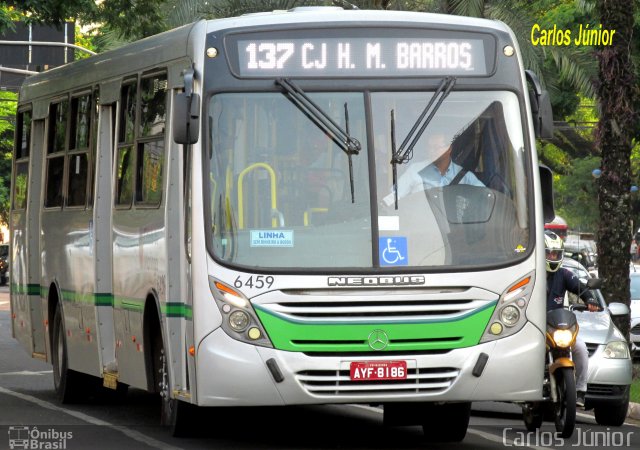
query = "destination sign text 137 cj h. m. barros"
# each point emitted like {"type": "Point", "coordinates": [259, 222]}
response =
{"type": "Point", "coordinates": [338, 57]}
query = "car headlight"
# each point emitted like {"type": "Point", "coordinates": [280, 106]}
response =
{"type": "Point", "coordinates": [616, 350]}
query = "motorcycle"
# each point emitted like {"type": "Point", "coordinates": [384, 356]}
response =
{"type": "Point", "coordinates": [559, 388]}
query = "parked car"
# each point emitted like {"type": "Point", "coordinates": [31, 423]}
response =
{"type": "Point", "coordinates": [610, 366]}
{"type": "Point", "coordinates": [4, 264]}
{"type": "Point", "coordinates": [635, 313]}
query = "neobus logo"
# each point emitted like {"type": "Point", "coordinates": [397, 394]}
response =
{"type": "Point", "coordinates": [376, 281]}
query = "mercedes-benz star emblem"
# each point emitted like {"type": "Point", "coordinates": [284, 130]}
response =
{"type": "Point", "coordinates": [378, 340]}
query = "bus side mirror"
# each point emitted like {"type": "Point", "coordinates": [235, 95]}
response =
{"type": "Point", "coordinates": [541, 110]}
{"type": "Point", "coordinates": [545, 117]}
{"type": "Point", "coordinates": [546, 185]}
{"type": "Point", "coordinates": [186, 118]}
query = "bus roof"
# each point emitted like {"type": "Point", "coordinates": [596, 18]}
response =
{"type": "Point", "coordinates": [325, 14]}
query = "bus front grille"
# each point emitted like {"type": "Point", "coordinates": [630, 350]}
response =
{"type": "Point", "coordinates": [348, 311]}
{"type": "Point", "coordinates": [338, 383]}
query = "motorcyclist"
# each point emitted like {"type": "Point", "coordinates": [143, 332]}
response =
{"type": "Point", "coordinates": [559, 281]}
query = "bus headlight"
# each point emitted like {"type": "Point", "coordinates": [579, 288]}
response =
{"type": "Point", "coordinates": [616, 350]}
{"type": "Point", "coordinates": [239, 320]}
{"type": "Point", "coordinates": [508, 316]}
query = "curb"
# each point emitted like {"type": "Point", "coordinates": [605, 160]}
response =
{"type": "Point", "coordinates": [634, 411]}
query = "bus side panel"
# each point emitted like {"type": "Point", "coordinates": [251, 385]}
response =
{"type": "Point", "coordinates": [103, 246]}
{"type": "Point", "coordinates": [179, 309]}
{"type": "Point", "coordinates": [67, 261]}
{"type": "Point", "coordinates": [138, 271]}
{"type": "Point", "coordinates": [20, 317]}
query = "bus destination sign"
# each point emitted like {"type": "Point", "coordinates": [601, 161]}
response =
{"type": "Point", "coordinates": [361, 57]}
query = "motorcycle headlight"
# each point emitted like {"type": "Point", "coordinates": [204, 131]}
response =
{"type": "Point", "coordinates": [616, 350]}
{"type": "Point", "coordinates": [563, 338]}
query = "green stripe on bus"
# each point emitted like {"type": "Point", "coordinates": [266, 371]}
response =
{"type": "Point", "coordinates": [28, 289]}
{"type": "Point", "coordinates": [337, 337]}
{"type": "Point", "coordinates": [169, 309]}
{"type": "Point", "coordinates": [104, 299]}
{"type": "Point", "coordinates": [177, 310]}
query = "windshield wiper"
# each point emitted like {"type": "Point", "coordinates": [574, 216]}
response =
{"type": "Point", "coordinates": [350, 145]}
{"type": "Point", "coordinates": [405, 152]}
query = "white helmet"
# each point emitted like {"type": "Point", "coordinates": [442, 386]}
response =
{"type": "Point", "coordinates": [554, 251]}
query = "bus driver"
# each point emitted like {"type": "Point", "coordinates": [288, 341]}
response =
{"type": "Point", "coordinates": [437, 170]}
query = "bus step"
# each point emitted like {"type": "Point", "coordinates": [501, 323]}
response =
{"type": "Point", "coordinates": [110, 380]}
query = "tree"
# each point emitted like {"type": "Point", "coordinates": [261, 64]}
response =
{"type": "Point", "coordinates": [617, 96]}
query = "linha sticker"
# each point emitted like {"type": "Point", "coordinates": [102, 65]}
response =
{"type": "Point", "coordinates": [271, 238]}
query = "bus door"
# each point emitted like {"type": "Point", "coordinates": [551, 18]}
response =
{"type": "Point", "coordinates": [26, 303]}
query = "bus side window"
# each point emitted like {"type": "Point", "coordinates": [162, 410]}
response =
{"type": "Point", "coordinates": [124, 159]}
{"type": "Point", "coordinates": [150, 157]}
{"type": "Point", "coordinates": [21, 157]}
{"type": "Point", "coordinates": [56, 146]}
{"type": "Point", "coordinates": [79, 150]}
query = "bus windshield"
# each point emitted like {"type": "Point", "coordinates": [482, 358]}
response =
{"type": "Point", "coordinates": [280, 194]}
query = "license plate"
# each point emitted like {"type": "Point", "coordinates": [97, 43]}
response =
{"type": "Point", "coordinates": [378, 370]}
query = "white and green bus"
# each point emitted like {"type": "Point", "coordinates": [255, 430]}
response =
{"type": "Point", "coordinates": [225, 214]}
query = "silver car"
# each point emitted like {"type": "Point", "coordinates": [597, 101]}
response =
{"type": "Point", "coordinates": [610, 366]}
{"type": "Point", "coordinates": [635, 313]}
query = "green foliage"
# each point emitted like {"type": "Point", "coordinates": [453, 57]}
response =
{"type": "Point", "coordinates": [575, 195]}
{"type": "Point", "coordinates": [52, 12]}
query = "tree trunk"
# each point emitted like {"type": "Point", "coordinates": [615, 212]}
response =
{"type": "Point", "coordinates": [615, 89]}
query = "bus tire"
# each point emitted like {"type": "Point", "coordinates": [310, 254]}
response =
{"type": "Point", "coordinates": [70, 386]}
{"type": "Point", "coordinates": [447, 422]}
{"type": "Point", "coordinates": [174, 414]}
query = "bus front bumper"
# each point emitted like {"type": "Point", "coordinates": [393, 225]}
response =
{"type": "Point", "coordinates": [232, 373]}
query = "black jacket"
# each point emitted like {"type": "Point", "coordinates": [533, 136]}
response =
{"type": "Point", "coordinates": [561, 281]}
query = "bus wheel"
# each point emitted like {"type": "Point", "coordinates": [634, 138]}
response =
{"type": "Point", "coordinates": [447, 422]}
{"type": "Point", "coordinates": [70, 386]}
{"type": "Point", "coordinates": [174, 413]}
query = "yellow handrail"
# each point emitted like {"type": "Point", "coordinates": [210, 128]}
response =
{"type": "Point", "coordinates": [272, 176]}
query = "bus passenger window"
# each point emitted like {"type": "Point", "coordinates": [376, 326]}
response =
{"type": "Point", "coordinates": [55, 172]}
{"type": "Point", "coordinates": [127, 112]}
{"type": "Point", "coordinates": [23, 141]}
{"type": "Point", "coordinates": [149, 180]}
{"type": "Point", "coordinates": [58, 119]}
{"type": "Point", "coordinates": [124, 176]}
{"type": "Point", "coordinates": [78, 173]}
{"type": "Point", "coordinates": [58, 126]}
{"type": "Point", "coordinates": [153, 94]}
{"type": "Point", "coordinates": [77, 180]}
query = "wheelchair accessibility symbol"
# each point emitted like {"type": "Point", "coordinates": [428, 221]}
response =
{"type": "Point", "coordinates": [393, 251]}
